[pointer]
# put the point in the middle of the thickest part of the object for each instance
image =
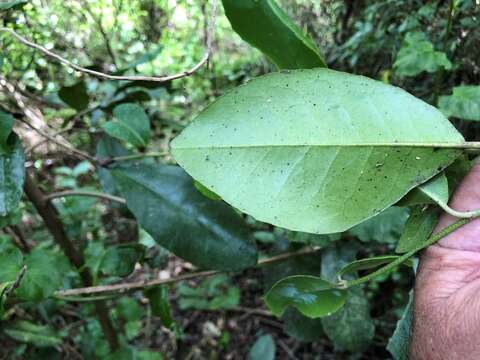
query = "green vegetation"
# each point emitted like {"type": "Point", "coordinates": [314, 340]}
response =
{"type": "Point", "coordinates": [185, 179]}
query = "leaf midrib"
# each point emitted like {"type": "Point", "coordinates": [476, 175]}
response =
{"type": "Point", "coordinates": [446, 145]}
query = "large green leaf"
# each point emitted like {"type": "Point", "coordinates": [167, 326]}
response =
{"type": "Point", "coordinates": [131, 125]}
{"type": "Point", "coordinates": [314, 297]}
{"type": "Point", "coordinates": [12, 175]}
{"type": "Point", "coordinates": [351, 328]}
{"type": "Point", "coordinates": [264, 25]}
{"type": "Point", "coordinates": [464, 103]}
{"type": "Point", "coordinates": [205, 232]}
{"type": "Point", "coordinates": [417, 55]}
{"type": "Point", "coordinates": [316, 150]}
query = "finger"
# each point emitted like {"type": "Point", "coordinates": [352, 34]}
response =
{"type": "Point", "coordinates": [466, 198]}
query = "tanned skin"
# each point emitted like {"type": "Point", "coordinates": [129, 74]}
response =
{"type": "Point", "coordinates": [447, 290]}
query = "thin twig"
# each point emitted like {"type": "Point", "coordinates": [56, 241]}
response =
{"type": "Point", "coordinates": [43, 141]}
{"type": "Point", "coordinates": [110, 160]}
{"type": "Point", "coordinates": [62, 144]}
{"type": "Point", "coordinates": [84, 193]}
{"type": "Point", "coordinates": [102, 75]}
{"type": "Point", "coordinates": [140, 285]}
{"type": "Point", "coordinates": [29, 114]}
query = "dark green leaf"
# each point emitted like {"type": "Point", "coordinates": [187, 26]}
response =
{"type": "Point", "coordinates": [263, 349]}
{"type": "Point", "coordinates": [315, 150]}
{"type": "Point", "coordinates": [120, 260]}
{"type": "Point", "coordinates": [12, 175]}
{"type": "Point", "coordinates": [131, 125]}
{"type": "Point", "coordinates": [314, 297]}
{"type": "Point", "coordinates": [418, 228]}
{"type": "Point", "coordinates": [417, 55]}
{"type": "Point", "coordinates": [75, 96]}
{"type": "Point", "coordinates": [464, 103]}
{"type": "Point", "coordinates": [301, 327]}
{"type": "Point", "coordinates": [264, 25]}
{"type": "Point", "coordinates": [160, 305]}
{"type": "Point", "coordinates": [107, 148]}
{"type": "Point", "coordinates": [129, 309]}
{"type": "Point", "coordinates": [399, 343]}
{"type": "Point", "coordinates": [10, 4]}
{"type": "Point", "coordinates": [6, 125]}
{"type": "Point", "coordinates": [37, 335]}
{"type": "Point", "coordinates": [207, 233]}
{"type": "Point", "coordinates": [351, 328]}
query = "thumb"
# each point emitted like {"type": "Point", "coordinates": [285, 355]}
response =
{"type": "Point", "coordinates": [466, 198]}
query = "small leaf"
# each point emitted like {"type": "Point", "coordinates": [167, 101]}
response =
{"type": "Point", "coordinates": [263, 349]}
{"type": "Point", "coordinates": [37, 335]}
{"type": "Point", "coordinates": [107, 148]}
{"type": "Point", "coordinates": [120, 260]}
{"type": "Point", "coordinates": [314, 297]}
{"type": "Point", "coordinates": [129, 309]}
{"type": "Point", "coordinates": [267, 27]}
{"type": "Point", "coordinates": [351, 328]}
{"type": "Point", "coordinates": [206, 192]}
{"type": "Point", "coordinates": [417, 55]}
{"type": "Point", "coordinates": [399, 343]}
{"type": "Point", "coordinates": [12, 176]}
{"type": "Point", "coordinates": [418, 228]}
{"type": "Point", "coordinates": [131, 125]}
{"type": "Point", "coordinates": [166, 204]}
{"type": "Point", "coordinates": [6, 125]}
{"type": "Point", "coordinates": [370, 263]}
{"type": "Point", "coordinates": [464, 103]}
{"type": "Point", "coordinates": [160, 305]}
{"type": "Point", "coordinates": [317, 151]}
{"type": "Point", "coordinates": [436, 188]}
{"type": "Point", "coordinates": [75, 96]}
{"type": "Point", "coordinates": [45, 273]}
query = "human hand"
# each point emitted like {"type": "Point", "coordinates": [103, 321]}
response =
{"type": "Point", "coordinates": [447, 289]}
